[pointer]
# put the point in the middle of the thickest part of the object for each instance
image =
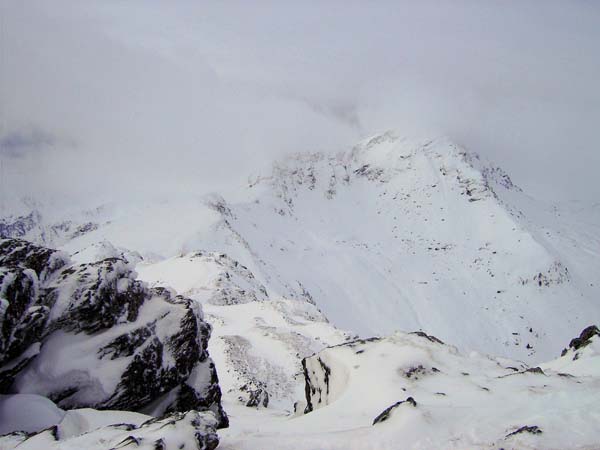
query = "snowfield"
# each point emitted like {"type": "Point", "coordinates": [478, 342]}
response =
{"type": "Point", "coordinates": [411, 391]}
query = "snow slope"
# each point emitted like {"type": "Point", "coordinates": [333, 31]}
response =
{"type": "Point", "coordinates": [411, 391]}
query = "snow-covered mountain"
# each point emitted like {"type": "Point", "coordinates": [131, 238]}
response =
{"type": "Point", "coordinates": [394, 235]}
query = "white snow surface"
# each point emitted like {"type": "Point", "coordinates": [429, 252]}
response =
{"type": "Point", "coordinates": [461, 401]}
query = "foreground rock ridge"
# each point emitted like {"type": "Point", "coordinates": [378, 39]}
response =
{"type": "Point", "coordinates": [91, 335]}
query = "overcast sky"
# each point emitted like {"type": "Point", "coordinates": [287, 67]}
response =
{"type": "Point", "coordinates": [139, 96]}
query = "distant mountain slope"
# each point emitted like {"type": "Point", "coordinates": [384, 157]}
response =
{"type": "Point", "coordinates": [394, 234]}
{"type": "Point", "coordinates": [398, 234]}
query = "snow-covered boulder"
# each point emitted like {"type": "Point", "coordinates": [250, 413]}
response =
{"type": "Point", "coordinates": [91, 335]}
{"type": "Point", "coordinates": [89, 429]}
{"type": "Point", "coordinates": [581, 357]}
{"type": "Point", "coordinates": [27, 413]}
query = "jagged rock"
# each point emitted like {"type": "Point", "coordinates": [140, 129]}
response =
{"type": "Point", "coordinates": [258, 397]}
{"type": "Point", "coordinates": [526, 429]}
{"type": "Point", "coordinates": [385, 414]}
{"type": "Point", "coordinates": [584, 339]}
{"type": "Point", "coordinates": [18, 253]}
{"type": "Point", "coordinates": [91, 335]}
{"type": "Point", "coordinates": [23, 312]}
{"type": "Point", "coordinates": [417, 371]}
{"type": "Point", "coordinates": [316, 380]}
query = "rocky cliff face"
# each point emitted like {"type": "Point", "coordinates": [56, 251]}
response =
{"type": "Point", "coordinates": [91, 335]}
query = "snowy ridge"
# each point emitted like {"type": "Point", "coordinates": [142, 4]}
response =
{"type": "Point", "coordinates": [207, 277]}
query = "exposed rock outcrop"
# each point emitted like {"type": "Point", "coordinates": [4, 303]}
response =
{"type": "Point", "coordinates": [584, 339]}
{"type": "Point", "coordinates": [91, 335]}
{"type": "Point", "coordinates": [385, 414]}
{"type": "Point", "coordinates": [257, 398]}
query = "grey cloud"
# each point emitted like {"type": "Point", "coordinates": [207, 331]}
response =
{"type": "Point", "coordinates": [21, 143]}
{"type": "Point", "coordinates": [189, 96]}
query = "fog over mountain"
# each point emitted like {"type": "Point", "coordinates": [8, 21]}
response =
{"type": "Point", "coordinates": [147, 98]}
{"type": "Point", "coordinates": [299, 225]}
